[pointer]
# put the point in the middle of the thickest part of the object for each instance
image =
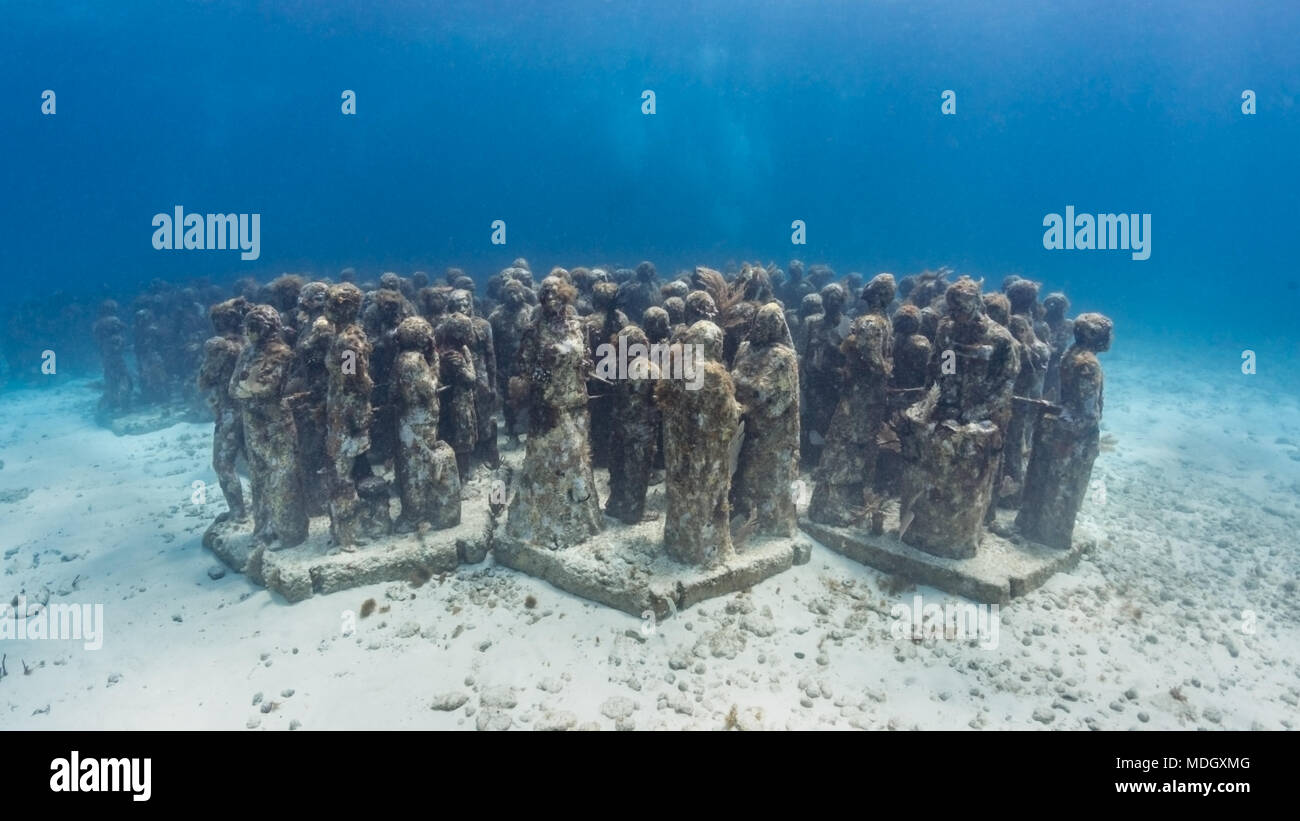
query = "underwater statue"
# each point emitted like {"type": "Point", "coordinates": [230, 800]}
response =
{"type": "Point", "coordinates": [700, 448]}
{"type": "Point", "coordinates": [639, 292]}
{"type": "Point", "coordinates": [270, 438]}
{"type": "Point", "coordinates": [634, 431]}
{"type": "Point", "coordinates": [389, 308]}
{"type": "Point", "coordinates": [149, 343]}
{"type": "Point", "coordinates": [912, 351]}
{"type": "Point", "coordinates": [1066, 443]}
{"type": "Point", "coordinates": [555, 504]}
{"type": "Point", "coordinates": [766, 377]}
{"type": "Point", "coordinates": [428, 481]}
{"type": "Point", "coordinates": [1034, 357]}
{"type": "Point", "coordinates": [697, 305]}
{"type": "Point", "coordinates": [110, 335]}
{"type": "Point", "coordinates": [848, 463]}
{"type": "Point", "coordinates": [809, 307]}
{"type": "Point", "coordinates": [458, 375]}
{"type": "Point", "coordinates": [952, 439]}
{"type": "Point", "coordinates": [822, 370]}
{"type": "Point", "coordinates": [482, 348]}
{"type": "Point", "coordinates": [283, 293]}
{"type": "Point", "coordinates": [602, 327]}
{"type": "Point", "coordinates": [1060, 333]}
{"type": "Point", "coordinates": [347, 411]}
{"type": "Point", "coordinates": [220, 355]}
{"type": "Point", "coordinates": [308, 389]}
{"type": "Point", "coordinates": [510, 321]}
{"type": "Point", "coordinates": [657, 325]}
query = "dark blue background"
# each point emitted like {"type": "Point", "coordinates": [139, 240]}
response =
{"type": "Point", "coordinates": [767, 112]}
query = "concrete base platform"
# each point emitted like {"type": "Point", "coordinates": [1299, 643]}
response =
{"type": "Point", "coordinates": [317, 566]}
{"type": "Point", "coordinates": [1005, 566]}
{"type": "Point", "coordinates": [625, 567]}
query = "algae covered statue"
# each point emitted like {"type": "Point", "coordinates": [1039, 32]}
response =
{"type": "Point", "coordinates": [220, 355]}
{"type": "Point", "coordinates": [308, 388]}
{"type": "Point", "coordinates": [1066, 443]}
{"type": "Point", "coordinates": [822, 369]}
{"type": "Point", "coordinates": [555, 503]}
{"type": "Point", "coordinates": [270, 438]}
{"type": "Point", "coordinates": [510, 321]}
{"type": "Point", "coordinates": [347, 411]}
{"type": "Point", "coordinates": [110, 336]}
{"type": "Point", "coordinates": [634, 429]}
{"type": "Point", "coordinates": [848, 463]}
{"type": "Point", "coordinates": [952, 439]}
{"type": "Point", "coordinates": [701, 438]}
{"type": "Point", "coordinates": [428, 481]}
{"type": "Point", "coordinates": [766, 376]}
{"type": "Point", "coordinates": [459, 375]}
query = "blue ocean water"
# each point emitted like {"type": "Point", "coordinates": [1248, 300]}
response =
{"type": "Point", "coordinates": [766, 112]}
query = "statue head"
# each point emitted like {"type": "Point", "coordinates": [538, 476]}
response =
{"type": "Point", "coordinates": [555, 295]}
{"type": "Point", "coordinates": [656, 322]}
{"type": "Point", "coordinates": [228, 316]}
{"type": "Point", "coordinates": [262, 324]}
{"type": "Point", "coordinates": [832, 299]}
{"type": "Point", "coordinates": [769, 326]}
{"type": "Point", "coordinates": [699, 305]}
{"type": "Point", "coordinates": [343, 304]}
{"type": "Point", "coordinates": [879, 292]}
{"type": "Point", "coordinates": [963, 299]}
{"type": "Point", "coordinates": [415, 334]}
{"type": "Point", "coordinates": [1093, 331]}
{"type": "Point", "coordinates": [1056, 304]}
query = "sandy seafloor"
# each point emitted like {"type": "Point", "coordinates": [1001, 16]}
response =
{"type": "Point", "coordinates": [1198, 524]}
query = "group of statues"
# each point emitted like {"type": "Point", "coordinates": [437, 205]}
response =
{"type": "Point", "coordinates": [165, 335]}
{"type": "Point", "coordinates": [926, 390]}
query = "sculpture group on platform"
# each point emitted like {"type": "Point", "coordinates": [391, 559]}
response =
{"type": "Point", "coordinates": [925, 390]}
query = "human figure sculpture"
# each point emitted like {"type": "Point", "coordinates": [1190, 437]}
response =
{"type": "Point", "coordinates": [482, 347]}
{"type": "Point", "coordinates": [602, 327]}
{"type": "Point", "coordinates": [308, 389]}
{"type": "Point", "coordinates": [1066, 443]}
{"type": "Point", "coordinates": [510, 321]}
{"type": "Point", "coordinates": [220, 355]}
{"type": "Point", "coordinates": [270, 439]}
{"type": "Point", "coordinates": [458, 423]}
{"type": "Point", "coordinates": [428, 480]}
{"type": "Point", "coordinates": [1034, 357]}
{"type": "Point", "coordinates": [149, 362]}
{"type": "Point", "coordinates": [634, 429]}
{"type": "Point", "coordinates": [766, 377]}
{"type": "Point", "coordinates": [952, 439]}
{"type": "Point", "coordinates": [822, 370]}
{"type": "Point", "coordinates": [347, 412]}
{"type": "Point", "coordinates": [555, 503]}
{"type": "Point", "coordinates": [1059, 337]}
{"type": "Point", "coordinates": [700, 433]}
{"type": "Point", "coordinates": [110, 335]}
{"type": "Point", "coordinates": [848, 462]}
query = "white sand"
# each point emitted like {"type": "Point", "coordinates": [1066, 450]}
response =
{"type": "Point", "coordinates": [1199, 516]}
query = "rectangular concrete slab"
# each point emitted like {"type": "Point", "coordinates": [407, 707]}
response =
{"type": "Point", "coordinates": [1004, 567]}
{"type": "Point", "coordinates": [316, 566]}
{"type": "Point", "coordinates": [626, 568]}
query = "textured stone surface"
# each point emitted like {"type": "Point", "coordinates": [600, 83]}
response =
{"type": "Point", "coordinates": [1002, 568]}
{"type": "Point", "coordinates": [315, 566]}
{"type": "Point", "coordinates": [626, 568]}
